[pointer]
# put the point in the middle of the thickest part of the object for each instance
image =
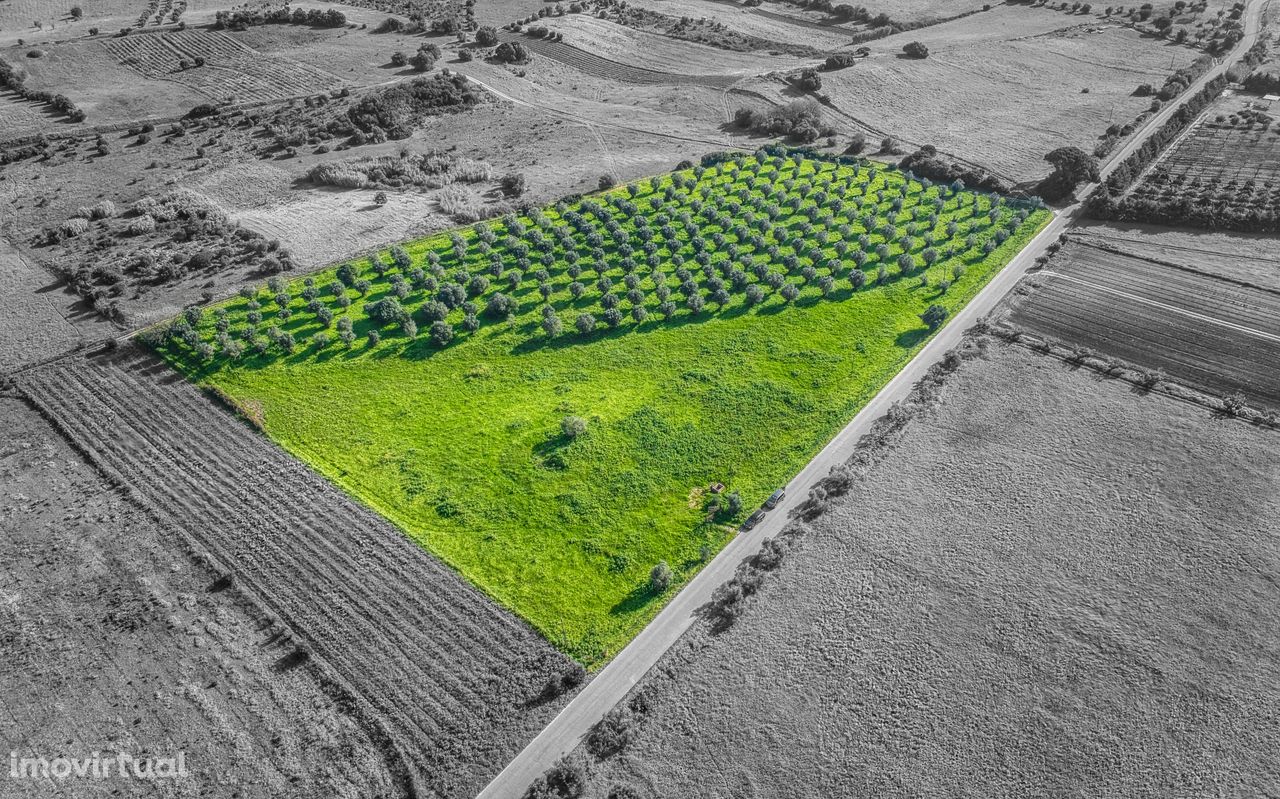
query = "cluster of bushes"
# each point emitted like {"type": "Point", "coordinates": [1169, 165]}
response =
{"type": "Point", "coordinates": [393, 112]}
{"type": "Point", "coordinates": [198, 239]}
{"type": "Point", "coordinates": [243, 19]}
{"type": "Point", "coordinates": [422, 61]}
{"type": "Point", "coordinates": [15, 80]}
{"type": "Point", "coordinates": [430, 170]}
{"type": "Point", "coordinates": [927, 163]}
{"type": "Point", "coordinates": [799, 120]}
{"type": "Point", "coordinates": [746, 227]}
{"type": "Point", "coordinates": [511, 53]}
{"type": "Point", "coordinates": [730, 599]}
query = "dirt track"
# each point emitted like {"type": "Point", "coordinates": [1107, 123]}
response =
{"type": "Point", "coordinates": [451, 678]}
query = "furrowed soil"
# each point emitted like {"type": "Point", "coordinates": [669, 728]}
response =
{"type": "Point", "coordinates": [1248, 257]}
{"type": "Point", "coordinates": [447, 682]}
{"type": "Point", "coordinates": [112, 639]}
{"type": "Point", "coordinates": [1049, 585]}
{"type": "Point", "coordinates": [1220, 336]}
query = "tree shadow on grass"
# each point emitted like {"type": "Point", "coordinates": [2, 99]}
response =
{"type": "Point", "coordinates": [910, 338]}
{"type": "Point", "coordinates": [635, 600]}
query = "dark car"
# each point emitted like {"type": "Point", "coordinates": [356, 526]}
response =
{"type": "Point", "coordinates": [753, 520]}
{"type": "Point", "coordinates": [774, 499]}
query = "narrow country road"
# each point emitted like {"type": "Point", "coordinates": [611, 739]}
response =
{"type": "Point", "coordinates": [616, 679]}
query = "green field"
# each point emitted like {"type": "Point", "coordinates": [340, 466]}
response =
{"type": "Point", "coordinates": [460, 444]}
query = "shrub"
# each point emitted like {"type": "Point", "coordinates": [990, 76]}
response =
{"type": "Point", "coordinates": [915, 50]}
{"type": "Point", "coordinates": [934, 316]}
{"type": "Point", "coordinates": [511, 53]}
{"type": "Point", "coordinates": [660, 578]}
{"type": "Point", "coordinates": [573, 426]}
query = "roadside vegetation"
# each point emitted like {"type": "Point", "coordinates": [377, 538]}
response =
{"type": "Point", "coordinates": [544, 400]}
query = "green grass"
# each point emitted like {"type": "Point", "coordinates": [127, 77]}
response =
{"type": "Point", "coordinates": [461, 446]}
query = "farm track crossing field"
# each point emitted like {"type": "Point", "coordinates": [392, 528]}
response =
{"type": "Point", "coordinates": [452, 678]}
{"type": "Point", "coordinates": [715, 325]}
{"type": "Point", "coordinates": [599, 66]}
{"type": "Point", "coordinates": [231, 69]}
{"type": "Point", "coordinates": [1216, 335]}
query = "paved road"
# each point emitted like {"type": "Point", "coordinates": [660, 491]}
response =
{"type": "Point", "coordinates": [613, 682]}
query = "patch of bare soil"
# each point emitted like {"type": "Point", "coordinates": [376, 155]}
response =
{"type": "Point", "coordinates": [113, 639]}
{"type": "Point", "coordinates": [449, 684]}
{"type": "Point", "coordinates": [1051, 584]}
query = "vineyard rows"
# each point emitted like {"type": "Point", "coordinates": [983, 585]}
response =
{"type": "Point", "coordinates": [445, 672]}
{"type": "Point", "coordinates": [230, 69]}
{"type": "Point", "coordinates": [592, 64]}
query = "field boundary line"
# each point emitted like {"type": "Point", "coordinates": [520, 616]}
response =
{"type": "Point", "coordinates": [1262, 334]}
{"type": "Point", "coordinates": [1180, 267]}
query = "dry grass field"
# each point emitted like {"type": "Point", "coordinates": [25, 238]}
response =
{"type": "Point", "coordinates": [652, 52]}
{"type": "Point", "coordinates": [1004, 87]}
{"type": "Point", "coordinates": [34, 325]}
{"type": "Point", "coordinates": [1049, 586]}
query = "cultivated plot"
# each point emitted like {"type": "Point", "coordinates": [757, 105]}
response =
{"type": "Point", "coordinates": [715, 325]}
{"type": "Point", "coordinates": [450, 685]}
{"type": "Point", "coordinates": [1218, 335]}
{"type": "Point", "coordinates": [216, 65]}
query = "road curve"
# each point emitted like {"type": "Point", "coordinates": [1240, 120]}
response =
{"type": "Point", "coordinates": [616, 679]}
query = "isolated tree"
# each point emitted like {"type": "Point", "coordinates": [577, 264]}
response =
{"type": "Point", "coordinates": [660, 578]}
{"type": "Point", "coordinates": [487, 36]}
{"type": "Point", "coordinates": [1071, 167]}
{"type": "Point", "coordinates": [380, 198]}
{"type": "Point", "coordinates": [399, 59]}
{"type": "Point", "coordinates": [934, 316]}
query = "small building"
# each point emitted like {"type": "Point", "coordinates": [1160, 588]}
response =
{"type": "Point", "coordinates": [1270, 98]}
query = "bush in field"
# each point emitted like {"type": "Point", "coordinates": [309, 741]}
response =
{"type": "Point", "coordinates": [511, 53]}
{"type": "Point", "coordinates": [660, 578]}
{"type": "Point", "coordinates": [915, 50]}
{"type": "Point", "coordinates": [934, 316]}
{"type": "Point", "coordinates": [800, 119]}
{"type": "Point", "coordinates": [573, 426]}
